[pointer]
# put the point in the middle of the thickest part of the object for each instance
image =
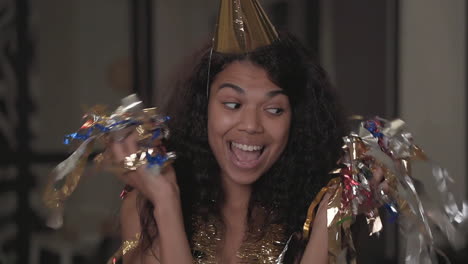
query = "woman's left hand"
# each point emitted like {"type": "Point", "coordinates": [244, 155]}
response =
{"type": "Point", "coordinates": [377, 182]}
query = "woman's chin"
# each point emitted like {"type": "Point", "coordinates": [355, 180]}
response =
{"type": "Point", "coordinates": [242, 178]}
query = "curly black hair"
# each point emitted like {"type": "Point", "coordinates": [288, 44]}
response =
{"type": "Point", "coordinates": [312, 151]}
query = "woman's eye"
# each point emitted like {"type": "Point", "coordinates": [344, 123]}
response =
{"type": "Point", "coordinates": [231, 105]}
{"type": "Point", "coordinates": [275, 111]}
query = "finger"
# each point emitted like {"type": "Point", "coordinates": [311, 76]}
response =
{"type": "Point", "coordinates": [129, 178]}
{"type": "Point", "coordinates": [122, 134]}
{"type": "Point", "coordinates": [384, 187]}
{"type": "Point", "coordinates": [169, 173]}
{"type": "Point", "coordinates": [378, 174]}
{"type": "Point", "coordinates": [127, 145]}
{"type": "Point", "coordinates": [130, 143]}
{"type": "Point", "coordinates": [377, 177]}
{"type": "Point", "coordinates": [118, 151]}
{"type": "Point", "coordinates": [107, 157]}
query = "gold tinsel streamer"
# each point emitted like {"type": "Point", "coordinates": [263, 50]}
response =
{"type": "Point", "coordinates": [56, 192]}
{"type": "Point", "coordinates": [387, 145]}
{"type": "Point", "coordinates": [127, 246]}
{"type": "Point", "coordinates": [99, 128]}
{"type": "Point", "coordinates": [61, 184]}
{"type": "Point", "coordinates": [311, 211]}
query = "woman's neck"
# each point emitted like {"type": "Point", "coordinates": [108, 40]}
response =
{"type": "Point", "coordinates": [236, 196]}
{"type": "Point", "coordinates": [234, 212]}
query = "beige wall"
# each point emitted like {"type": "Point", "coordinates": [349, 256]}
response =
{"type": "Point", "coordinates": [77, 42]}
{"type": "Point", "coordinates": [180, 28]}
{"type": "Point", "coordinates": [433, 80]}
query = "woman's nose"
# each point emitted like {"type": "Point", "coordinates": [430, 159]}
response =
{"type": "Point", "coordinates": [251, 121]}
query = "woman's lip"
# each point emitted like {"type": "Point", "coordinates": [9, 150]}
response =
{"type": "Point", "coordinates": [245, 164]}
{"type": "Point", "coordinates": [246, 143]}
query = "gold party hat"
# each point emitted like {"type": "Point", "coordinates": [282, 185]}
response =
{"type": "Point", "coordinates": [242, 27]}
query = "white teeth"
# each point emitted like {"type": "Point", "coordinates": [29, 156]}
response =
{"type": "Point", "coordinates": [246, 147]}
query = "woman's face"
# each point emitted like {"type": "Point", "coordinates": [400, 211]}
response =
{"type": "Point", "coordinates": [248, 122]}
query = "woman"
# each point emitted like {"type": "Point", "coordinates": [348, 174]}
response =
{"type": "Point", "coordinates": [252, 155]}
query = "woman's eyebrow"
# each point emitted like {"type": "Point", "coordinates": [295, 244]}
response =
{"type": "Point", "coordinates": [232, 86]}
{"type": "Point", "coordinates": [274, 93]}
{"type": "Point", "coordinates": [238, 89]}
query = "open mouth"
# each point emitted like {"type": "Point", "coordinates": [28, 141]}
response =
{"type": "Point", "coordinates": [246, 156]}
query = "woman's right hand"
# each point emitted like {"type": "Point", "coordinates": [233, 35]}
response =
{"type": "Point", "coordinates": [171, 244]}
{"type": "Point", "coordinates": [153, 187]}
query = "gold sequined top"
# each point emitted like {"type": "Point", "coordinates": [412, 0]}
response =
{"type": "Point", "coordinates": [258, 247]}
